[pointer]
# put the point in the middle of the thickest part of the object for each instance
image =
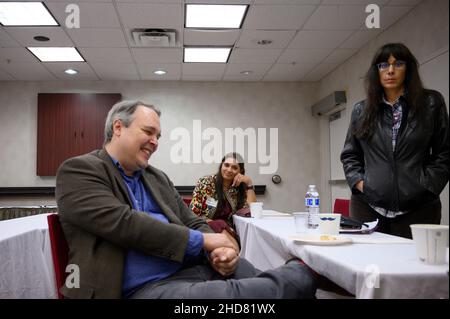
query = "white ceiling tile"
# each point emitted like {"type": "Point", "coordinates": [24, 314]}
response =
{"type": "Point", "coordinates": [280, 39]}
{"type": "Point", "coordinates": [58, 68]}
{"type": "Point", "coordinates": [173, 71]}
{"type": "Point", "coordinates": [339, 56]}
{"type": "Point", "coordinates": [404, 2]}
{"type": "Point", "coordinates": [389, 15]}
{"type": "Point", "coordinates": [27, 71]}
{"type": "Point", "coordinates": [233, 71]}
{"type": "Point", "coordinates": [92, 15]}
{"type": "Point", "coordinates": [46, 1]}
{"type": "Point", "coordinates": [320, 71]}
{"type": "Point", "coordinates": [276, 17]}
{"type": "Point", "coordinates": [217, 1]}
{"type": "Point", "coordinates": [206, 77]}
{"type": "Point", "coordinates": [6, 40]}
{"type": "Point", "coordinates": [255, 55]}
{"type": "Point", "coordinates": [215, 69]}
{"type": "Point", "coordinates": [98, 37]}
{"type": "Point", "coordinates": [298, 2]}
{"type": "Point", "coordinates": [16, 55]}
{"type": "Point", "coordinates": [242, 77]}
{"type": "Point", "coordinates": [288, 72]}
{"type": "Point", "coordinates": [150, 1]}
{"type": "Point", "coordinates": [118, 55]}
{"type": "Point", "coordinates": [319, 39]}
{"type": "Point", "coordinates": [5, 76]}
{"type": "Point", "coordinates": [324, 25]}
{"type": "Point", "coordinates": [255, 68]}
{"type": "Point", "coordinates": [336, 18]}
{"type": "Point", "coordinates": [354, 2]}
{"type": "Point", "coordinates": [359, 39]}
{"type": "Point", "coordinates": [24, 35]}
{"type": "Point", "coordinates": [304, 55]}
{"type": "Point", "coordinates": [157, 55]}
{"type": "Point", "coordinates": [151, 15]}
{"type": "Point", "coordinates": [210, 37]}
{"type": "Point", "coordinates": [115, 71]}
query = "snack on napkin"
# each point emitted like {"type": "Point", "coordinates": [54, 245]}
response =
{"type": "Point", "coordinates": [327, 237]}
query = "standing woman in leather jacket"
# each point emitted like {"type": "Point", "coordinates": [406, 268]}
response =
{"type": "Point", "coordinates": [396, 153]}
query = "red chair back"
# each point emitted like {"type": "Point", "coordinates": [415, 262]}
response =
{"type": "Point", "coordinates": [60, 250]}
{"type": "Point", "coordinates": [187, 200]}
{"type": "Point", "coordinates": [342, 206]}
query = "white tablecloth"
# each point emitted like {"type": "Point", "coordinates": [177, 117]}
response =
{"type": "Point", "coordinates": [26, 266]}
{"type": "Point", "coordinates": [387, 267]}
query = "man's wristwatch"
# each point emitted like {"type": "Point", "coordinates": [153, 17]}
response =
{"type": "Point", "coordinates": [250, 187]}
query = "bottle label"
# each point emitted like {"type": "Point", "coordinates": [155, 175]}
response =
{"type": "Point", "coordinates": [313, 218]}
{"type": "Point", "coordinates": [312, 202]}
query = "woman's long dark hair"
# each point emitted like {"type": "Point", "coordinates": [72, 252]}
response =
{"type": "Point", "coordinates": [412, 84]}
{"type": "Point", "coordinates": [242, 194]}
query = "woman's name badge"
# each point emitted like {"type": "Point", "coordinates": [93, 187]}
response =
{"type": "Point", "coordinates": [211, 202]}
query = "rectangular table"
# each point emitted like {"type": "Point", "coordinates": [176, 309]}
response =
{"type": "Point", "coordinates": [26, 266]}
{"type": "Point", "coordinates": [373, 266]}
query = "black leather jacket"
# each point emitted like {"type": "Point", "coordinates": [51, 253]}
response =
{"type": "Point", "coordinates": [412, 175]}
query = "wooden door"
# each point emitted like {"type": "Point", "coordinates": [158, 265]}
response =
{"type": "Point", "coordinates": [57, 131]}
{"type": "Point", "coordinates": [69, 124]}
{"type": "Point", "coordinates": [95, 110]}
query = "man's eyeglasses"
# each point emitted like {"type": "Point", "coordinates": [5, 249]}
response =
{"type": "Point", "coordinates": [385, 65]}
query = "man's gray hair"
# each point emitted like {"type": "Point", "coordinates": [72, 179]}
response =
{"type": "Point", "coordinates": [123, 111]}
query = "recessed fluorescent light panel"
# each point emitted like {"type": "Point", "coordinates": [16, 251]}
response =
{"type": "Point", "coordinates": [49, 54]}
{"type": "Point", "coordinates": [213, 16]}
{"type": "Point", "coordinates": [25, 14]}
{"type": "Point", "coordinates": [217, 55]}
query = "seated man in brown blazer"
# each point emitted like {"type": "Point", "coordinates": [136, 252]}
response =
{"type": "Point", "coordinates": [131, 235]}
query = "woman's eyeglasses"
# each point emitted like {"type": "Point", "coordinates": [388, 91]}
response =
{"type": "Point", "coordinates": [385, 65]}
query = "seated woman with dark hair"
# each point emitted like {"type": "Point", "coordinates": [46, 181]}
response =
{"type": "Point", "coordinates": [217, 197]}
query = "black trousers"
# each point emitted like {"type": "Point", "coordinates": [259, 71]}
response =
{"type": "Point", "coordinates": [398, 226]}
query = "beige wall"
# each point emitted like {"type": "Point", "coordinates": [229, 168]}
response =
{"type": "Point", "coordinates": [425, 30]}
{"type": "Point", "coordinates": [223, 105]}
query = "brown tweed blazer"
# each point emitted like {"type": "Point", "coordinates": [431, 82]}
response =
{"type": "Point", "coordinates": [100, 224]}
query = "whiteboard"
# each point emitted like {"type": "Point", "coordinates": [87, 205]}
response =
{"type": "Point", "coordinates": [338, 131]}
{"type": "Point", "coordinates": [434, 74]}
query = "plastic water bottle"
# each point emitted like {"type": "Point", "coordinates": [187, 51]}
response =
{"type": "Point", "coordinates": [312, 203]}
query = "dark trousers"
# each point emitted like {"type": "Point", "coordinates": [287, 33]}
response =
{"type": "Point", "coordinates": [290, 281]}
{"type": "Point", "coordinates": [398, 226]}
